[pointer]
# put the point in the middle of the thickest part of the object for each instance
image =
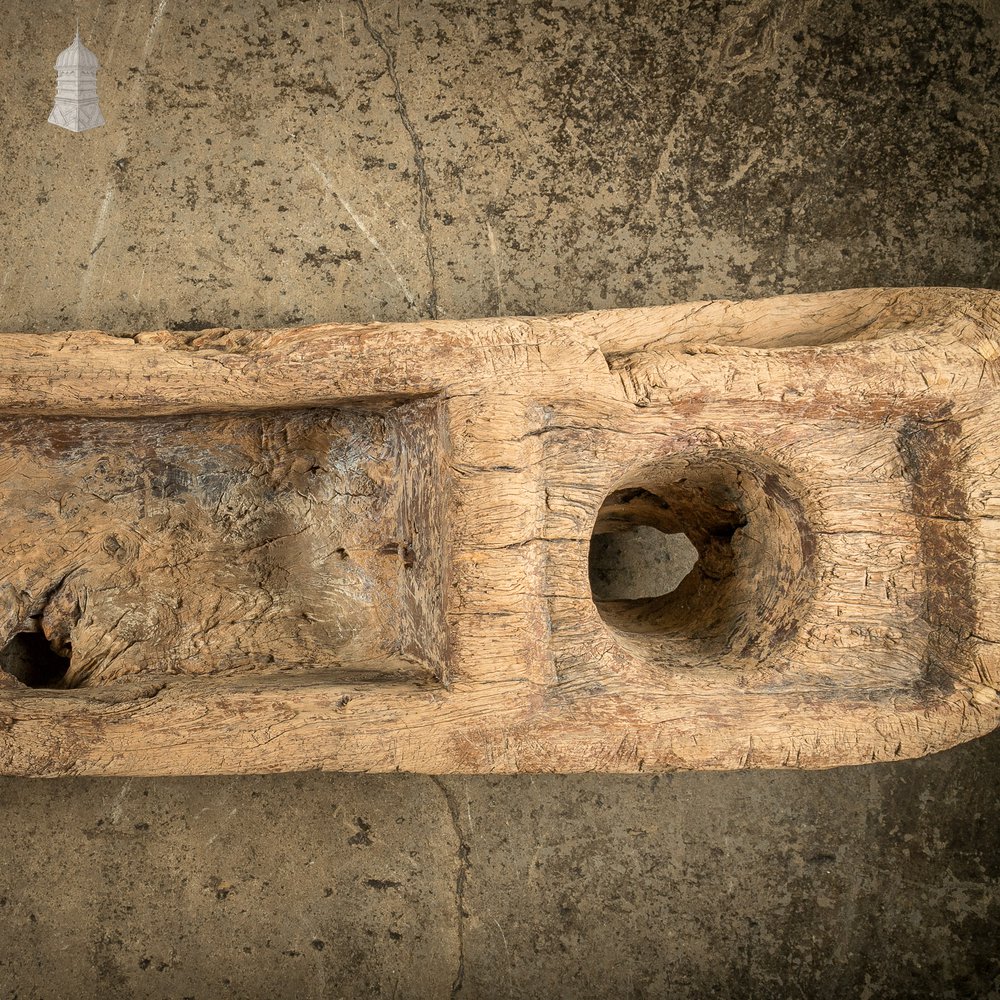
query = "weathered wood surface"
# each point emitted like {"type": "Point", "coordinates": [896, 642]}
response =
{"type": "Point", "coordinates": [366, 547]}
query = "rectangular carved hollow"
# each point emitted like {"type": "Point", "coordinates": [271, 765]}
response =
{"type": "Point", "coordinates": [221, 545]}
{"type": "Point", "coordinates": [440, 547]}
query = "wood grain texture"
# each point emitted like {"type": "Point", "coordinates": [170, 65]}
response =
{"type": "Point", "coordinates": [367, 547]}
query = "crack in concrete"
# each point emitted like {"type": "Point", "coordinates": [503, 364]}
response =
{"type": "Point", "coordinates": [365, 231]}
{"type": "Point", "coordinates": [460, 877]}
{"type": "Point", "coordinates": [418, 156]}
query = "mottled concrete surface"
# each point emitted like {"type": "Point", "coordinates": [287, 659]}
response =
{"type": "Point", "coordinates": [281, 162]}
{"type": "Point", "coordinates": [865, 882]}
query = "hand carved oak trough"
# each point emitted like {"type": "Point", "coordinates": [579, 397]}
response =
{"type": "Point", "coordinates": [371, 547]}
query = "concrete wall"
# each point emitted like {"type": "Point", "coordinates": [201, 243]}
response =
{"type": "Point", "coordinates": [281, 162]}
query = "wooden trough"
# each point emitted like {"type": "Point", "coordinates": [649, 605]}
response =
{"type": "Point", "coordinates": [369, 548]}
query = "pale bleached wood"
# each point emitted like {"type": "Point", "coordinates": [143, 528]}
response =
{"type": "Point", "coordinates": [366, 547]}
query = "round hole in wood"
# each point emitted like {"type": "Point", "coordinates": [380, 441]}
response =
{"type": "Point", "coordinates": [735, 551]}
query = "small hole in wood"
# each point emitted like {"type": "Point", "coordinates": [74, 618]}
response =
{"type": "Point", "coordinates": [30, 658]}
